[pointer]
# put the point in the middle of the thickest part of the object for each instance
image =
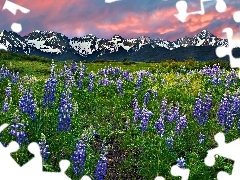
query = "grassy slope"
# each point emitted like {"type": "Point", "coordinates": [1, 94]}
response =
{"type": "Point", "coordinates": [39, 66]}
{"type": "Point", "coordinates": [130, 139]}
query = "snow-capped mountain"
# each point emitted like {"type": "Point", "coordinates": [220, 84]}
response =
{"type": "Point", "coordinates": [58, 46]}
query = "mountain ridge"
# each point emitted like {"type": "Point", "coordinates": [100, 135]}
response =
{"type": "Point", "coordinates": [57, 46]}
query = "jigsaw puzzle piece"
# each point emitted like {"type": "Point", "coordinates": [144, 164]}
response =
{"type": "Point", "coordinates": [177, 171]}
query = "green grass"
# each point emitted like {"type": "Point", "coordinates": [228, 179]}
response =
{"type": "Point", "coordinates": [131, 153]}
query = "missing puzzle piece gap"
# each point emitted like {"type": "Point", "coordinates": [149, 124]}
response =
{"type": "Point", "coordinates": [227, 150]}
{"type": "Point", "coordinates": [182, 6]}
{"type": "Point", "coordinates": [12, 7]}
{"type": "Point", "coordinates": [177, 171]}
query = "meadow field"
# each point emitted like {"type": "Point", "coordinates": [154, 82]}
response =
{"type": "Point", "coordinates": [120, 121]}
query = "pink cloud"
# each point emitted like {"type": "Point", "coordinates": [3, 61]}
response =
{"type": "Point", "coordinates": [78, 18]}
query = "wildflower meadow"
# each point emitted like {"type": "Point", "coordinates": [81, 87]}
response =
{"type": "Point", "coordinates": [114, 123]}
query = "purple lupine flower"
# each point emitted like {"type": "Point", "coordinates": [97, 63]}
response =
{"type": "Point", "coordinates": [69, 79]}
{"type": "Point", "coordinates": [100, 82]}
{"type": "Point", "coordinates": [230, 115]}
{"type": "Point", "coordinates": [27, 104]}
{"type": "Point", "coordinates": [137, 113]}
{"type": "Point", "coordinates": [159, 126]}
{"type": "Point", "coordinates": [211, 70]}
{"type": "Point", "coordinates": [231, 78]}
{"type": "Point", "coordinates": [197, 112]}
{"type": "Point", "coordinates": [73, 67]}
{"type": "Point", "coordinates": [20, 86]}
{"type": "Point", "coordinates": [5, 107]}
{"type": "Point", "coordinates": [126, 75]}
{"type": "Point", "coordinates": [8, 90]}
{"type": "Point", "coordinates": [228, 110]}
{"type": "Point", "coordinates": [134, 101]}
{"type": "Point", "coordinates": [44, 147]}
{"type": "Point", "coordinates": [109, 70]}
{"type": "Point", "coordinates": [163, 81]}
{"type": "Point", "coordinates": [15, 77]}
{"type": "Point", "coordinates": [83, 67]}
{"type": "Point", "coordinates": [215, 79]}
{"type": "Point", "coordinates": [1, 72]}
{"type": "Point", "coordinates": [181, 124]}
{"type": "Point", "coordinates": [80, 84]}
{"type": "Point", "coordinates": [17, 130]}
{"type": "Point", "coordinates": [91, 82]}
{"type": "Point", "coordinates": [202, 107]}
{"type": "Point", "coordinates": [65, 112]}
{"type": "Point", "coordinates": [139, 82]}
{"type": "Point", "coordinates": [81, 74]}
{"type": "Point", "coordinates": [95, 135]}
{"type": "Point", "coordinates": [222, 112]}
{"type": "Point", "coordinates": [173, 113]}
{"type": "Point", "coordinates": [103, 149]}
{"type": "Point", "coordinates": [208, 101]}
{"type": "Point", "coordinates": [181, 162]}
{"type": "Point", "coordinates": [79, 157]}
{"type": "Point", "coordinates": [169, 142]}
{"type": "Point", "coordinates": [170, 113]}
{"type": "Point", "coordinates": [146, 98]}
{"type": "Point", "coordinates": [163, 107]}
{"type": "Point", "coordinates": [106, 81]}
{"type": "Point", "coordinates": [7, 73]}
{"type": "Point", "coordinates": [201, 138]}
{"type": "Point", "coordinates": [145, 116]}
{"type": "Point", "coordinates": [80, 79]}
{"type": "Point", "coordinates": [49, 92]}
{"type": "Point", "coordinates": [101, 169]}
{"type": "Point", "coordinates": [213, 73]}
{"type": "Point", "coordinates": [236, 103]}
{"type": "Point", "coordinates": [120, 86]}
{"type": "Point", "coordinates": [229, 123]}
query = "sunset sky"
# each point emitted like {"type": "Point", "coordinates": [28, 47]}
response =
{"type": "Point", "coordinates": [128, 18]}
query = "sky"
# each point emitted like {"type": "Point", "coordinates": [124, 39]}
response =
{"type": "Point", "coordinates": [128, 18]}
